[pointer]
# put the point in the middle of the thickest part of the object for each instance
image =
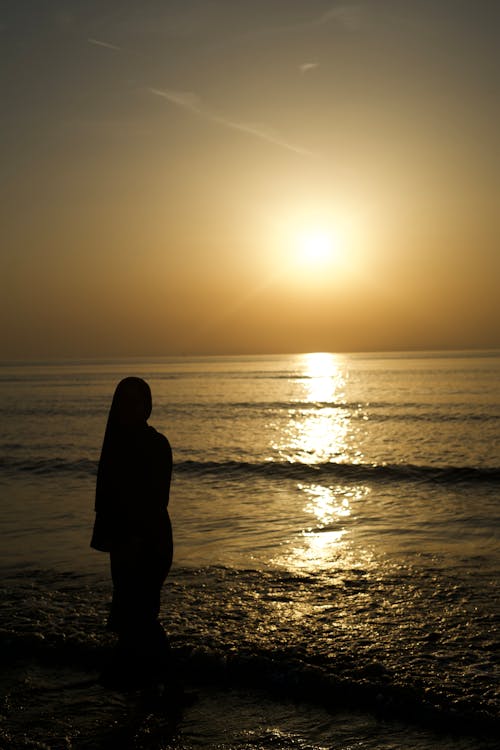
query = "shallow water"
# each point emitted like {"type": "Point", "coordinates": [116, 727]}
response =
{"type": "Point", "coordinates": [296, 660]}
{"type": "Point", "coordinates": [336, 530]}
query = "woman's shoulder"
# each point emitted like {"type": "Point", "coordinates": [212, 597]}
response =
{"type": "Point", "coordinates": [158, 440]}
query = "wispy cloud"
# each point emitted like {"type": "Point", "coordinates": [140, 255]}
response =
{"type": "Point", "coordinates": [305, 67]}
{"type": "Point", "coordinates": [192, 103]}
{"type": "Point", "coordinates": [100, 43]}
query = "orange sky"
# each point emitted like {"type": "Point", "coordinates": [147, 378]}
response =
{"type": "Point", "coordinates": [170, 169]}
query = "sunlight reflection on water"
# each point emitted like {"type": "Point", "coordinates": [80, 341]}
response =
{"type": "Point", "coordinates": [326, 376]}
{"type": "Point", "coordinates": [320, 434]}
{"type": "Point", "coordinates": [328, 542]}
{"type": "Point", "coordinates": [315, 436]}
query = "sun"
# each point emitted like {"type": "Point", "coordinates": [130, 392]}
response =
{"type": "Point", "coordinates": [316, 247]}
{"type": "Point", "coordinates": [315, 250]}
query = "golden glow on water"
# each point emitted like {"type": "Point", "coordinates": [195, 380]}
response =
{"type": "Point", "coordinates": [327, 541]}
{"type": "Point", "coordinates": [325, 505]}
{"type": "Point", "coordinates": [315, 438]}
{"type": "Point", "coordinates": [321, 430]}
{"type": "Point", "coordinates": [326, 378]}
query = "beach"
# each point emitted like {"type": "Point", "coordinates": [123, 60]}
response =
{"type": "Point", "coordinates": [336, 553]}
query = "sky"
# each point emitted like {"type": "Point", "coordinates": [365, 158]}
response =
{"type": "Point", "coordinates": [193, 177]}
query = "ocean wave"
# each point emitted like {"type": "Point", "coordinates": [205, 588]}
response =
{"type": "Point", "coordinates": [368, 687]}
{"type": "Point", "coordinates": [328, 471]}
{"type": "Point", "coordinates": [244, 628]}
{"type": "Point", "coordinates": [376, 411]}
{"type": "Point", "coordinates": [48, 466]}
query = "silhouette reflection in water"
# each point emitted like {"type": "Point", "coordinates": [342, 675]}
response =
{"type": "Point", "coordinates": [132, 524]}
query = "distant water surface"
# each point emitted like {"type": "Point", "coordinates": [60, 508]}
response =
{"type": "Point", "coordinates": [334, 513]}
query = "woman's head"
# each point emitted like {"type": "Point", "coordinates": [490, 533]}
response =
{"type": "Point", "coordinates": [132, 404]}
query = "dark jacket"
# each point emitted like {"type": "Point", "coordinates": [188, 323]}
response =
{"type": "Point", "coordinates": [132, 491]}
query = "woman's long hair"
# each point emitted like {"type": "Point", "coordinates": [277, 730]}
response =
{"type": "Point", "coordinates": [130, 409]}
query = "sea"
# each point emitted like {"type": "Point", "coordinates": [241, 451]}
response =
{"type": "Point", "coordinates": [335, 580]}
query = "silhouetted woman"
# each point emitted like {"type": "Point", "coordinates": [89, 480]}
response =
{"type": "Point", "coordinates": [133, 525]}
